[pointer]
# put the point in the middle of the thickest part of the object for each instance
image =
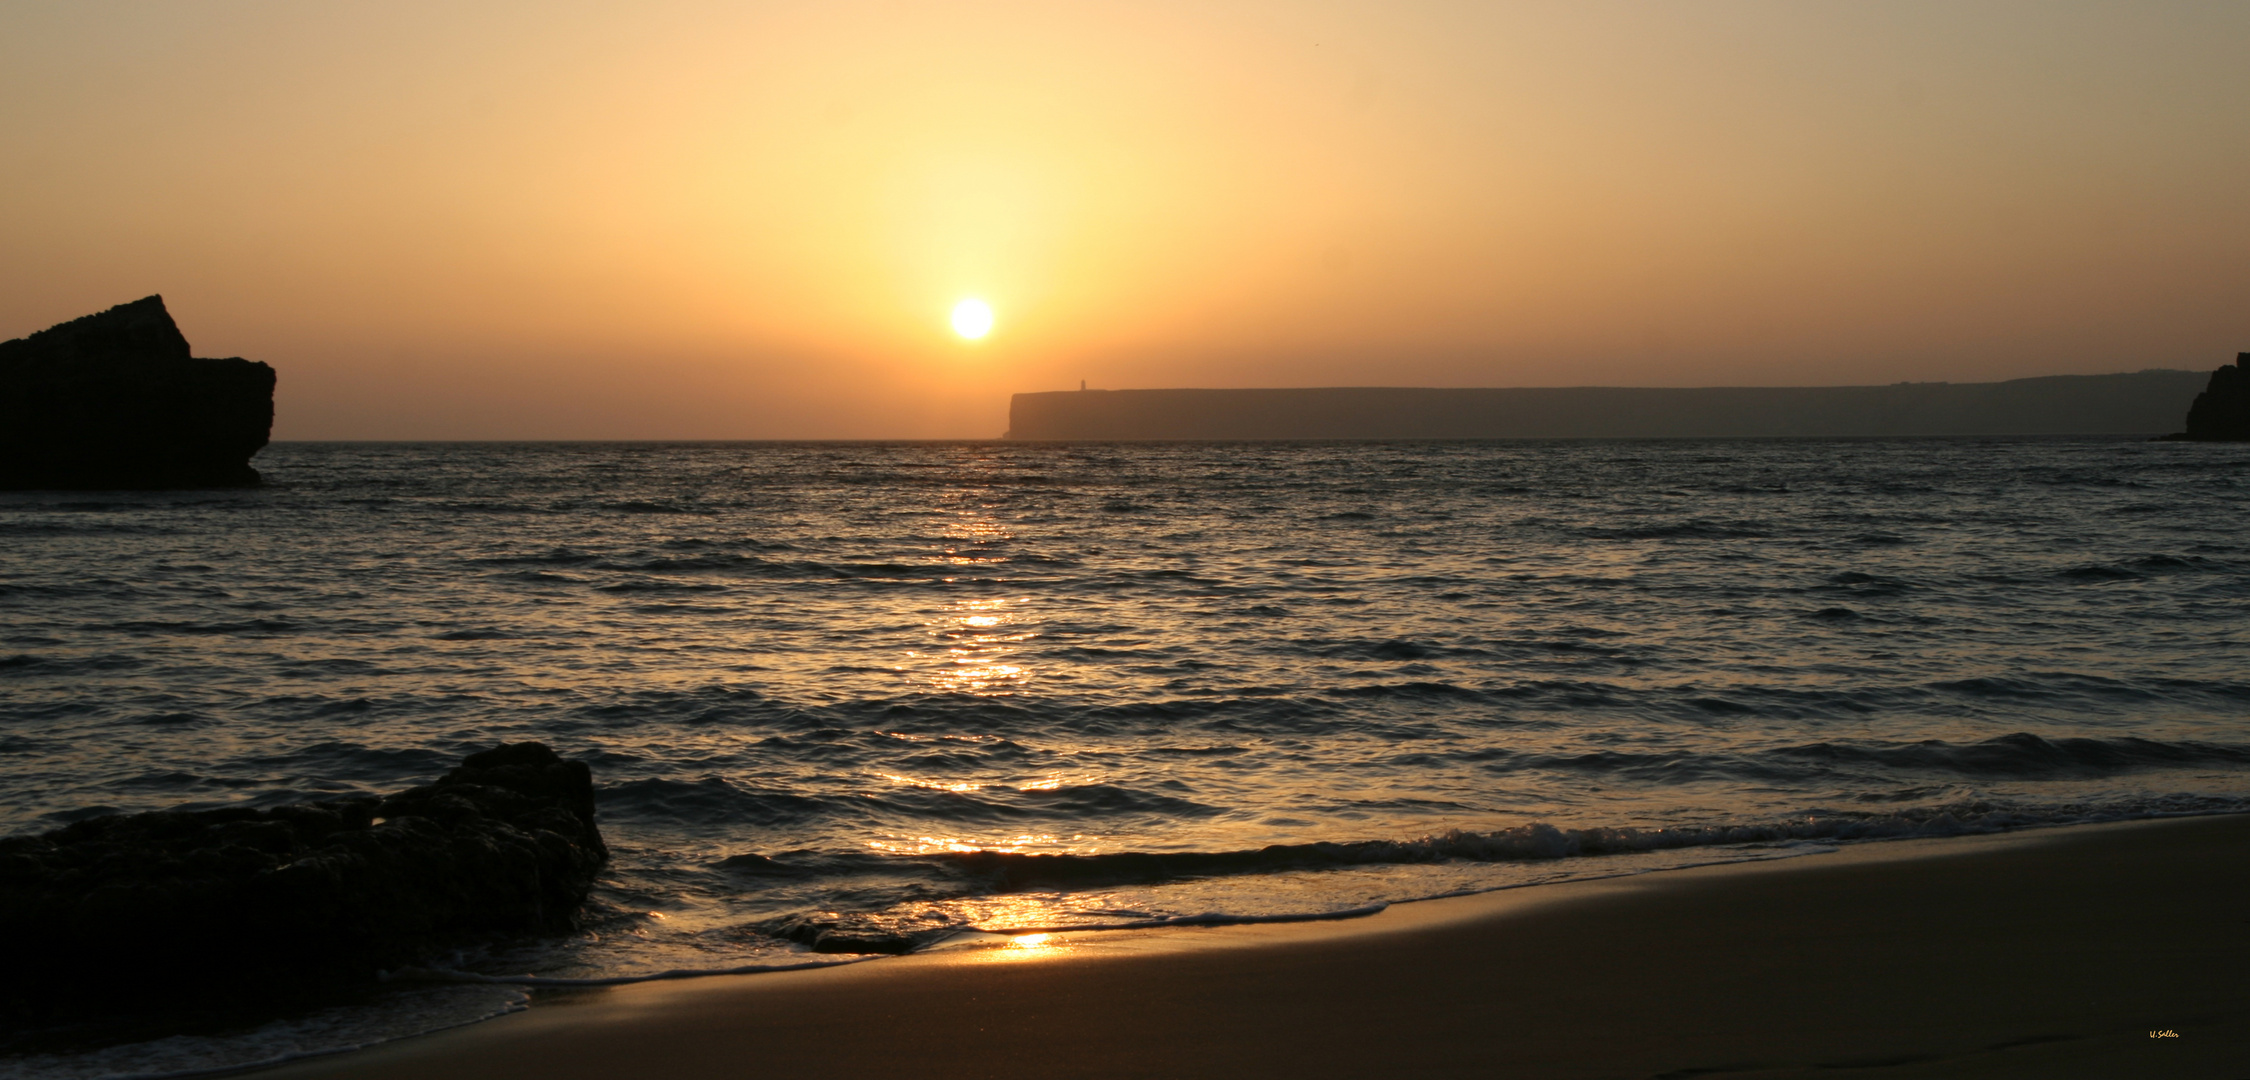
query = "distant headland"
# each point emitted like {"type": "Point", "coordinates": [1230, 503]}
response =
{"type": "Point", "coordinates": [115, 400]}
{"type": "Point", "coordinates": [2141, 403]}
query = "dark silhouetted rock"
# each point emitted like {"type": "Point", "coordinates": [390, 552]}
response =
{"type": "Point", "coordinates": [115, 401]}
{"type": "Point", "coordinates": [250, 905]}
{"type": "Point", "coordinates": [2221, 413]}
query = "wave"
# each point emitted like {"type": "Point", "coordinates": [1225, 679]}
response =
{"type": "Point", "coordinates": [451, 975]}
{"type": "Point", "coordinates": [1001, 872]}
{"type": "Point", "coordinates": [1014, 872]}
{"type": "Point", "coordinates": [744, 565]}
{"type": "Point", "coordinates": [661, 587]}
{"type": "Point", "coordinates": [2047, 685]}
{"type": "Point", "coordinates": [1685, 530]}
{"type": "Point", "coordinates": [172, 719]}
{"type": "Point", "coordinates": [250, 627]}
{"type": "Point", "coordinates": [839, 730]}
{"type": "Point", "coordinates": [492, 508]}
{"type": "Point", "coordinates": [697, 543]}
{"type": "Point", "coordinates": [1855, 583]}
{"type": "Point", "coordinates": [1208, 918]}
{"type": "Point", "coordinates": [2020, 755]}
{"type": "Point", "coordinates": [2101, 572]}
{"type": "Point", "coordinates": [872, 935]}
{"type": "Point", "coordinates": [713, 801]}
{"type": "Point", "coordinates": [740, 565]}
{"type": "Point", "coordinates": [30, 664]}
{"type": "Point", "coordinates": [351, 762]}
{"type": "Point", "coordinates": [919, 924]}
{"type": "Point", "coordinates": [560, 556]}
{"type": "Point", "coordinates": [1390, 649]}
{"type": "Point", "coordinates": [2026, 755]}
{"type": "Point", "coordinates": [643, 506]}
{"type": "Point", "coordinates": [1424, 691]}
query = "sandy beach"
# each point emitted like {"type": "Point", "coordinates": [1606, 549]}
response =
{"type": "Point", "coordinates": [2048, 953]}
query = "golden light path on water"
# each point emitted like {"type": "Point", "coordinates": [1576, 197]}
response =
{"type": "Point", "coordinates": [974, 645]}
{"type": "Point", "coordinates": [977, 643]}
{"type": "Point", "coordinates": [979, 649]}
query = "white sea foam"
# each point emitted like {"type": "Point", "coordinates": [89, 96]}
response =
{"type": "Point", "coordinates": [456, 976]}
{"type": "Point", "coordinates": [1208, 918]}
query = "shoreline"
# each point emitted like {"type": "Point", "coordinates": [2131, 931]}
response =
{"type": "Point", "coordinates": [2048, 952]}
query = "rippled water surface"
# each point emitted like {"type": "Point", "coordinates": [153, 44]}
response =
{"type": "Point", "coordinates": [849, 695]}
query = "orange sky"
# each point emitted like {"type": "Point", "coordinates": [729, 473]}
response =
{"type": "Point", "coordinates": [477, 219]}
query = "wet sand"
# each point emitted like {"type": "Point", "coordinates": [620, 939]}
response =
{"type": "Point", "coordinates": [2044, 954]}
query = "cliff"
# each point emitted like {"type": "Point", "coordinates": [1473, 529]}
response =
{"type": "Point", "coordinates": [115, 400]}
{"type": "Point", "coordinates": [2146, 402]}
{"type": "Point", "coordinates": [2221, 413]}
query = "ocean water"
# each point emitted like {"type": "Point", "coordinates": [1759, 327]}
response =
{"type": "Point", "coordinates": [843, 700]}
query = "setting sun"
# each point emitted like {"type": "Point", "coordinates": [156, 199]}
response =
{"type": "Point", "coordinates": [972, 318]}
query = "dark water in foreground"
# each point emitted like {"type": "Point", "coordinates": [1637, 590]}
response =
{"type": "Point", "coordinates": [857, 688]}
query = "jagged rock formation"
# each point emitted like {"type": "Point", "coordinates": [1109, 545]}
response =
{"type": "Point", "coordinates": [2221, 413]}
{"type": "Point", "coordinates": [243, 904]}
{"type": "Point", "coordinates": [115, 401]}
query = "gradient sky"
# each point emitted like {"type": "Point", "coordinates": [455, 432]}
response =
{"type": "Point", "coordinates": [487, 219]}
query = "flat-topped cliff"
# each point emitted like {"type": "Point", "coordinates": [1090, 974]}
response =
{"type": "Point", "coordinates": [115, 400]}
{"type": "Point", "coordinates": [2146, 402]}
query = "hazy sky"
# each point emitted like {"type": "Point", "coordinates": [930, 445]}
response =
{"type": "Point", "coordinates": [486, 219]}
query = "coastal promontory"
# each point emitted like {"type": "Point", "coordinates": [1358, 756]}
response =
{"type": "Point", "coordinates": [2135, 403]}
{"type": "Point", "coordinates": [2221, 413]}
{"type": "Point", "coordinates": [116, 400]}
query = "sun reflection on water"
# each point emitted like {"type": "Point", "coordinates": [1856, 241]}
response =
{"type": "Point", "coordinates": [1052, 783]}
{"type": "Point", "coordinates": [975, 541]}
{"type": "Point", "coordinates": [933, 785]}
{"type": "Point", "coordinates": [1026, 844]}
{"type": "Point", "coordinates": [979, 647]}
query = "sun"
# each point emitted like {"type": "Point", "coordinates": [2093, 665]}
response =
{"type": "Point", "coordinates": [972, 318]}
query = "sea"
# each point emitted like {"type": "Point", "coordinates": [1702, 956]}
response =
{"type": "Point", "coordinates": [848, 700]}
